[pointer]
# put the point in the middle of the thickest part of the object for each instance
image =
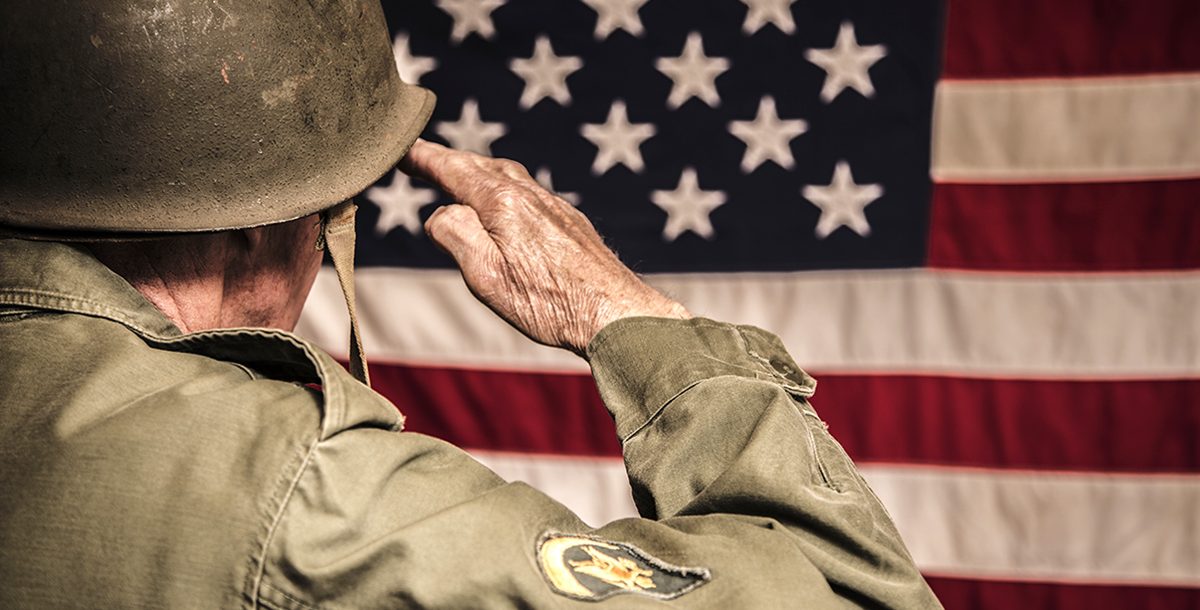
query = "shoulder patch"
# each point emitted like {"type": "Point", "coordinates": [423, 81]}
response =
{"type": "Point", "coordinates": [589, 568]}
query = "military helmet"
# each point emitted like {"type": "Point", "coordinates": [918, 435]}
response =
{"type": "Point", "coordinates": [124, 117]}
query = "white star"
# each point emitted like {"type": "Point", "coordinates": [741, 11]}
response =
{"type": "Point", "coordinates": [612, 15]}
{"type": "Point", "coordinates": [545, 74]}
{"type": "Point", "coordinates": [399, 204]}
{"type": "Point", "coordinates": [762, 12]}
{"type": "Point", "coordinates": [688, 207]}
{"type": "Point", "coordinates": [471, 16]}
{"type": "Point", "coordinates": [543, 178]}
{"type": "Point", "coordinates": [846, 64]}
{"type": "Point", "coordinates": [693, 74]}
{"type": "Point", "coordinates": [843, 202]}
{"type": "Point", "coordinates": [617, 140]}
{"type": "Point", "coordinates": [767, 138]}
{"type": "Point", "coordinates": [411, 68]}
{"type": "Point", "coordinates": [469, 132]}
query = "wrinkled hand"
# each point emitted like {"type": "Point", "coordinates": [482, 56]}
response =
{"type": "Point", "coordinates": [527, 254]}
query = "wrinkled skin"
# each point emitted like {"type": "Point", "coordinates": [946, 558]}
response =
{"type": "Point", "coordinates": [257, 277]}
{"type": "Point", "coordinates": [527, 254]}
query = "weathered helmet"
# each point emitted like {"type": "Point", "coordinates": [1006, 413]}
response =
{"type": "Point", "coordinates": [122, 117]}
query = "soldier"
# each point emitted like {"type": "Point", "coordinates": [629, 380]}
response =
{"type": "Point", "coordinates": [169, 173]}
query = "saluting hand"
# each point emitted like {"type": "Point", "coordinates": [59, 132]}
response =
{"type": "Point", "coordinates": [527, 254]}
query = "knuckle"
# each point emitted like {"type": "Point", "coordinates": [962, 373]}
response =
{"type": "Point", "coordinates": [445, 219]}
{"type": "Point", "coordinates": [456, 212]}
{"type": "Point", "coordinates": [434, 224]}
{"type": "Point", "coordinates": [509, 198]}
{"type": "Point", "coordinates": [510, 168]}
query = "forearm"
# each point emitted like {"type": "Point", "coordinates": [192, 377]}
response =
{"type": "Point", "coordinates": [713, 419]}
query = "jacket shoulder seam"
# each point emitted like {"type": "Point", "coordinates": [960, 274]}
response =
{"type": "Point", "coordinates": [261, 559]}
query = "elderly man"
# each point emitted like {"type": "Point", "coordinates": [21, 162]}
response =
{"type": "Point", "coordinates": [173, 173]}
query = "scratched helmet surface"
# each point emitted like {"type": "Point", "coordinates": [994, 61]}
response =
{"type": "Point", "coordinates": [123, 117]}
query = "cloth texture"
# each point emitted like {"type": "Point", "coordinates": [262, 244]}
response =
{"type": "Point", "coordinates": [144, 467]}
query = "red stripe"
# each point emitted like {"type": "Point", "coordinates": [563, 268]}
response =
{"type": "Point", "coordinates": [989, 595]}
{"type": "Point", "coordinates": [1040, 38]}
{"type": "Point", "coordinates": [1117, 226]}
{"type": "Point", "coordinates": [501, 411]}
{"type": "Point", "coordinates": [1139, 426]}
{"type": "Point", "coordinates": [1126, 426]}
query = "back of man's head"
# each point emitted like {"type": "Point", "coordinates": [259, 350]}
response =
{"type": "Point", "coordinates": [134, 119]}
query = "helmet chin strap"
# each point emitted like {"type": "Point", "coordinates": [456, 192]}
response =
{"type": "Point", "coordinates": [338, 237]}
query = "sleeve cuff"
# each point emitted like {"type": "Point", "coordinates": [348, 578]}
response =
{"type": "Point", "coordinates": [640, 364]}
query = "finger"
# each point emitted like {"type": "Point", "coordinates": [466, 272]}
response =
{"type": "Point", "coordinates": [456, 229]}
{"type": "Point", "coordinates": [453, 171]}
{"type": "Point", "coordinates": [420, 155]}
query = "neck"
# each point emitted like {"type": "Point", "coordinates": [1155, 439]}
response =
{"type": "Point", "coordinates": [247, 278]}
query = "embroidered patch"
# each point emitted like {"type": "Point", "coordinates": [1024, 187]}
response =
{"type": "Point", "coordinates": [589, 568]}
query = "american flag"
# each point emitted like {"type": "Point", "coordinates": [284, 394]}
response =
{"type": "Point", "coordinates": [976, 223]}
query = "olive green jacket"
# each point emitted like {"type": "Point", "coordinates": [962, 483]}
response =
{"type": "Point", "coordinates": [141, 467]}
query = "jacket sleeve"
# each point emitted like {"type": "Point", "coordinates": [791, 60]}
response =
{"type": "Point", "coordinates": [746, 502]}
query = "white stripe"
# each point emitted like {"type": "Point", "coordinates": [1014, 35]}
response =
{"type": "Point", "coordinates": [1087, 528]}
{"type": "Point", "coordinates": [595, 489]}
{"type": "Point", "coordinates": [1046, 526]}
{"type": "Point", "coordinates": [1066, 130]}
{"type": "Point", "coordinates": [1081, 326]}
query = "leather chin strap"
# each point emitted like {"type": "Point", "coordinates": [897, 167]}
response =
{"type": "Point", "coordinates": [338, 238]}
